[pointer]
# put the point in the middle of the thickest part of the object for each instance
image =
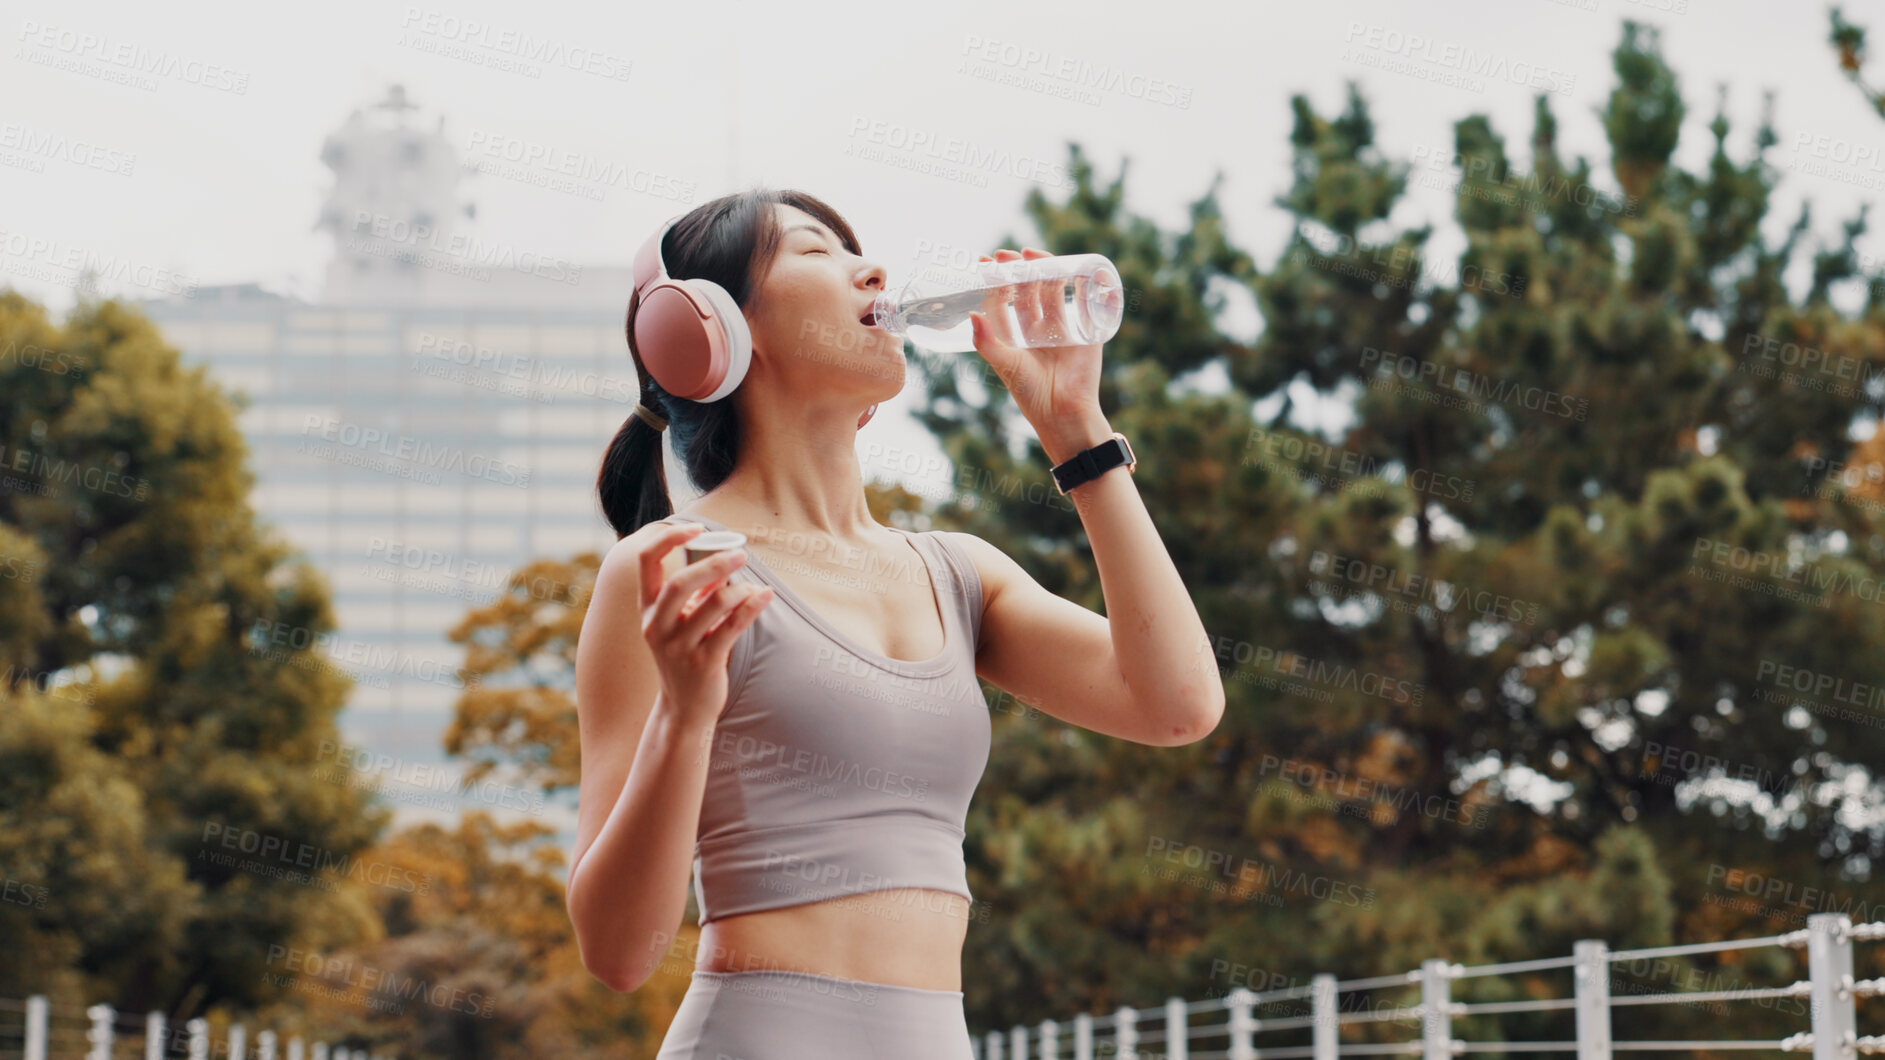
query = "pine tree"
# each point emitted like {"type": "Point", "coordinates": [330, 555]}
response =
{"type": "Point", "coordinates": [1848, 40]}
{"type": "Point", "coordinates": [1505, 578]}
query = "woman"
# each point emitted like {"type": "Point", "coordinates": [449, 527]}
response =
{"type": "Point", "coordinates": [814, 761]}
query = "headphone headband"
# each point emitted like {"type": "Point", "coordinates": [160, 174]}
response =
{"type": "Point", "coordinates": [649, 264]}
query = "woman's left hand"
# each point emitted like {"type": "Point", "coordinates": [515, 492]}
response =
{"type": "Point", "coordinates": [1056, 387]}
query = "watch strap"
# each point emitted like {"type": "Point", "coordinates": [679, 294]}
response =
{"type": "Point", "coordinates": [1089, 464]}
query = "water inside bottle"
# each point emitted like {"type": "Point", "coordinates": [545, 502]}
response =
{"type": "Point", "coordinates": [1078, 311]}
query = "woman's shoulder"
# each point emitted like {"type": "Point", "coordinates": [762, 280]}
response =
{"type": "Point", "coordinates": [990, 566]}
{"type": "Point", "coordinates": [621, 564]}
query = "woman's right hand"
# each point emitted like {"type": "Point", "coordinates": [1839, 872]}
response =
{"type": "Point", "coordinates": [691, 620]}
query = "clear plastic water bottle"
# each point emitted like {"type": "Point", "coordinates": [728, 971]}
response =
{"type": "Point", "coordinates": [1081, 299]}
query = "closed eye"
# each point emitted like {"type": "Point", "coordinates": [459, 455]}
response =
{"type": "Point", "coordinates": [826, 252]}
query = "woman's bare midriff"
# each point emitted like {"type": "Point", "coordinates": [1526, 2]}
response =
{"type": "Point", "coordinates": [903, 936]}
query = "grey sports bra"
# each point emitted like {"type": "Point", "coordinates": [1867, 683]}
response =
{"type": "Point", "coordinates": [835, 770]}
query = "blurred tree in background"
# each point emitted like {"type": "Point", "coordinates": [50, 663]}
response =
{"type": "Point", "coordinates": [149, 711]}
{"type": "Point", "coordinates": [492, 933]}
{"type": "Point", "coordinates": [482, 964]}
{"type": "Point", "coordinates": [1472, 617]}
{"type": "Point", "coordinates": [1849, 41]}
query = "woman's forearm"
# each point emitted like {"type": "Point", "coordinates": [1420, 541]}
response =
{"type": "Point", "coordinates": [1161, 644]}
{"type": "Point", "coordinates": [629, 891]}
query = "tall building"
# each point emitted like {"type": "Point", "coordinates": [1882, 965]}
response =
{"type": "Point", "coordinates": [434, 421]}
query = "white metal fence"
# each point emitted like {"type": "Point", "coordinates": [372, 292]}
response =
{"type": "Point", "coordinates": [1173, 1030]}
{"type": "Point", "coordinates": [36, 1029]}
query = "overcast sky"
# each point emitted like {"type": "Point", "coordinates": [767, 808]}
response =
{"type": "Point", "coordinates": [209, 171]}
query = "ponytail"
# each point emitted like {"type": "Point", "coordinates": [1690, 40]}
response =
{"type": "Point", "coordinates": [633, 482]}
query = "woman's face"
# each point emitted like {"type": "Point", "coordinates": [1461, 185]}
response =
{"type": "Point", "coordinates": [806, 321]}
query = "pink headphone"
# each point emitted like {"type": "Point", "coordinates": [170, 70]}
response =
{"type": "Point", "coordinates": [690, 333]}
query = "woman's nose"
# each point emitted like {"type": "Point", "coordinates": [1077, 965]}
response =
{"type": "Point", "coordinates": [874, 276]}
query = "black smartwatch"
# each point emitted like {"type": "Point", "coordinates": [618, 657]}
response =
{"type": "Point", "coordinates": [1089, 464]}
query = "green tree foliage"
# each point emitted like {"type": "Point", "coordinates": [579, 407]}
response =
{"type": "Point", "coordinates": [1848, 40]}
{"type": "Point", "coordinates": [1489, 693]}
{"type": "Point", "coordinates": [150, 711]}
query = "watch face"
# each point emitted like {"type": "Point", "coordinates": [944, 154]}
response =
{"type": "Point", "coordinates": [1125, 447]}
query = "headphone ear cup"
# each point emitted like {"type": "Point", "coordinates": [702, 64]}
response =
{"type": "Point", "coordinates": [682, 351]}
{"type": "Point", "coordinates": [739, 337]}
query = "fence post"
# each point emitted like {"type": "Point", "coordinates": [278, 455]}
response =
{"type": "Point", "coordinates": [199, 1038]}
{"type": "Point", "coordinates": [265, 1046]}
{"type": "Point", "coordinates": [1177, 1036]}
{"type": "Point", "coordinates": [319, 1051]}
{"type": "Point", "coordinates": [100, 1034]}
{"type": "Point", "coordinates": [991, 1046]}
{"type": "Point", "coordinates": [1018, 1041]}
{"type": "Point", "coordinates": [295, 1048]}
{"type": "Point", "coordinates": [36, 1015]}
{"type": "Point", "coordinates": [1083, 1037]}
{"type": "Point", "coordinates": [154, 1036]}
{"type": "Point", "coordinates": [1126, 1031]}
{"type": "Point", "coordinates": [1242, 1027]}
{"type": "Point", "coordinates": [1592, 978]}
{"type": "Point", "coordinates": [1323, 1013]}
{"type": "Point", "coordinates": [1436, 1021]}
{"type": "Point", "coordinates": [238, 1041]}
{"type": "Point", "coordinates": [1829, 961]}
{"type": "Point", "coordinates": [1050, 1040]}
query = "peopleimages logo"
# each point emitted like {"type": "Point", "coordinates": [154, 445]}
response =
{"type": "Point", "coordinates": [47, 470]}
{"type": "Point", "coordinates": [1822, 685]}
{"type": "Point", "coordinates": [955, 151]}
{"type": "Point", "coordinates": [35, 145]}
{"type": "Point", "coordinates": [43, 257]}
{"type": "Point", "coordinates": [433, 778]}
{"type": "Point", "coordinates": [427, 455]}
{"type": "Point", "coordinates": [1366, 792]}
{"type": "Point", "coordinates": [529, 371]}
{"type": "Point", "coordinates": [397, 235]}
{"type": "Point", "coordinates": [379, 982]}
{"type": "Point", "coordinates": [298, 862]}
{"type": "Point", "coordinates": [749, 753]}
{"type": "Point", "coordinates": [1462, 59]}
{"type": "Point", "coordinates": [130, 60]}
{"type": "Point", "coordinates": [1077, 72]}
{"type": "Point", "coordinates": [1250, 872]}
{"type": "Point", "coordinates": [586, 172]}
{"type": "Point", "coordinates": [471, 33]}
{"type": "Point", "coordinates": [1786, 893]}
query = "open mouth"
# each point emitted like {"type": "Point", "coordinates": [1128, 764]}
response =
{"type": "Point", "coordinates": [869, 319]}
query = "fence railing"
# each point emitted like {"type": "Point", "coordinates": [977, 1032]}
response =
{"type": "Point", "coordinates": [37, 1029]}
{"type": "Point", "coordinates": [1170, 1030]}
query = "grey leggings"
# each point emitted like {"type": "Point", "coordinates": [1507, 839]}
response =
{"type": "Point", "coordinates": [784, 1015]}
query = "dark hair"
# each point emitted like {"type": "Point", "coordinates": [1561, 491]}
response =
{"type": "Point", "coordinates": [731, 241]}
